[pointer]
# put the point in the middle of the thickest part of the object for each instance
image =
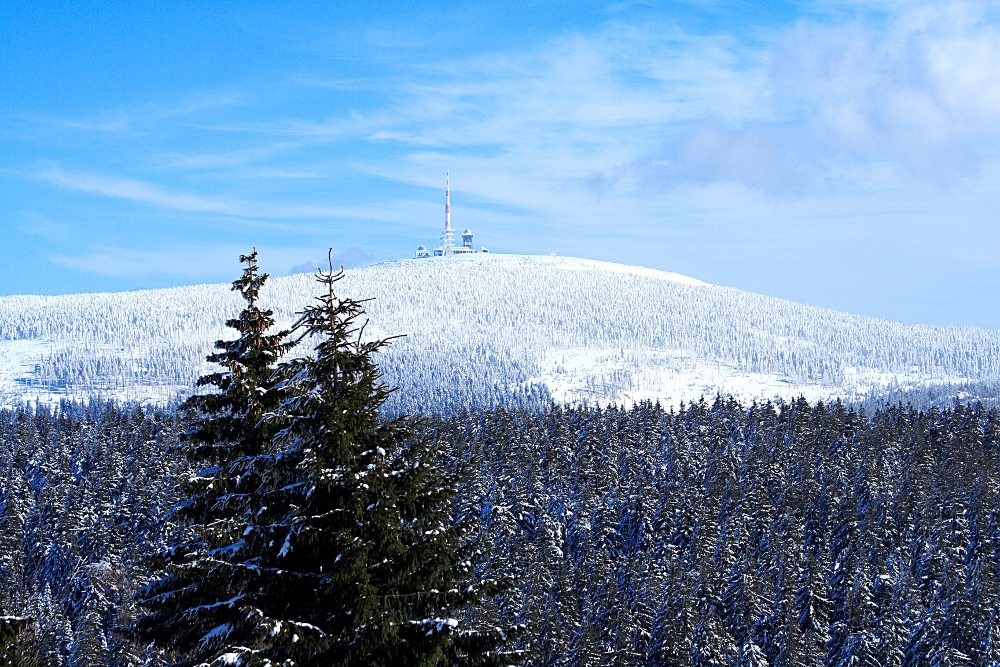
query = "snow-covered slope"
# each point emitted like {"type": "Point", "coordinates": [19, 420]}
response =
{"type": "Point", "coordinates": [485, 329]}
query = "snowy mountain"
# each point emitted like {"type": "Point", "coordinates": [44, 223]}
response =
{"type": "Point", "coordinates": [487, 329]}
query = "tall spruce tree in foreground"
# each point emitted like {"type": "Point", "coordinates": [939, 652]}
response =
{"type": "Point", "coordinates": [360, 562]}
{"type": "Point", "coordinates": [196, 610]}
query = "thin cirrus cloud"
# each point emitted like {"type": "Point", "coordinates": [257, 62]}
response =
{"type": "Point", "coordinates": [640, 118]}
{"type": "Point", "coordinates": [808, 106]}
{"type": "Point", "coordinates": [129, 123]}
{"type": "Point", "coordinates": [172, 262]}
{"type": "Point", "coordinates": [118, 262]}
{"type": "Point", "coordinates": [542, 122]}
{"type": "Point", "coordinates": [138, 191]}
{"type": "Point", "coordinates": [636, 109]}
{"type": "Point", "coordinates": [159, 197]}
{"type": "Point", "coordinates": [632, 110]}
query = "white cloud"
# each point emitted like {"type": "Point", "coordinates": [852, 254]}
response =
{"type": "Point", "coordinates": [920, 90]}
{"type": "Point", "coordinates": [914, 93]}
{"type": "Point", "coordinates": [185, 262]}
{"type": "Point", "coordinates": [153, 195]}
{"type": "Point", "coordinates": [135, 121]}
{"type": "Point", "coordinates": [137, 191]}
{"type": "Point", "coordinates": [631, 123]}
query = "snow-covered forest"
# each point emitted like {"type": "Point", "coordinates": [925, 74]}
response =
{"type": "Point", "coordinates": [491, 330]}
{"type": "Point", "coordinates": [84, 492]}
{"type": "Point", "coordinates": [718, 534]}
{"type": "Point", "coordinates": [723, 534]}
{"type": "Point", "coordinates": [529, 530]}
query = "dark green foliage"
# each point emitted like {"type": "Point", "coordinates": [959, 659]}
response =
{"type": "Point", "coordinates": [196, 610]}
{"type": "Point", "coordinates": [15, 650]}
{"type": "Point", "coordinates": [321, 532]}
{"type": "Point", "coordinates": [357, 557]}
{"type": "Point", "coordinates": [712, 535]}
{"type": "Point", "coordinates": [228, 421]}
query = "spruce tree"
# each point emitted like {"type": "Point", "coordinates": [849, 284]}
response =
{"type": "Point", "coordinates": [14, 649]}
{"type": "Point", "coordinates": [360, 561]}
{"type": "Point", "coordinates": [194, 608]}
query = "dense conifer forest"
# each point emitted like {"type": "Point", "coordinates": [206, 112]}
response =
{"type": "Point", "coordinates": [85, 499]}
{"type": "Point", "coordinates": [290, 515]}
{"type": "Point", "coordinates": [716, 534]}
{"type": "Point", "coordinates": [720, 534]}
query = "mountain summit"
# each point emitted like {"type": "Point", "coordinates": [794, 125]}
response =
{"type": "Point", "coordinates": [488, 329]}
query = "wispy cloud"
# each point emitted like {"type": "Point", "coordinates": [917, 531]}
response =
{"type": "Point", "coordinates": [149, 194]}
{"type": "Point", "coordinates": [139, 191]}
{"type": "Point", "coordinates": [179, 262]}
{"type": "Point", "coordinates": [116, 262]}
{"type": "Point", "coordinates": [920, 90]}
{"type": "Point", "coordinates": [135, 120]}
{"type": "Point", "coordinates": [109, 122]}
{"type": "Point", "coordinates": [637, 132]}
{"type": "Point", "coordinates": [805, 107]}
{"type": "Point", "coordinates": [634, 110]}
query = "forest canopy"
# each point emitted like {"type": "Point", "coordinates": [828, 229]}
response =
{"type": "Point", "coordinates": [787, 533]}
{"type": "Point", "coordinates": [286, 517]}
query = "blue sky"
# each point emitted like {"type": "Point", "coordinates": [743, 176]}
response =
{"type": "Point", "coordinates": [839, 153]}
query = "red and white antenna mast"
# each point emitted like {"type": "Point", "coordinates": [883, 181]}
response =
{"type": "Point", "coordinates": [447, 237]}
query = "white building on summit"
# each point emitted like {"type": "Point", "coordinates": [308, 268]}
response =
{"type": "Point", "coordinates": [447, 246]}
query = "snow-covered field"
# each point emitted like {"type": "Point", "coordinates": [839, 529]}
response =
{"type": "Point", "coordinates": [487, 329]}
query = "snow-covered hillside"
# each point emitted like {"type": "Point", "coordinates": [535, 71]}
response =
{"type": "Point", "coordinates": [485, 329]}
